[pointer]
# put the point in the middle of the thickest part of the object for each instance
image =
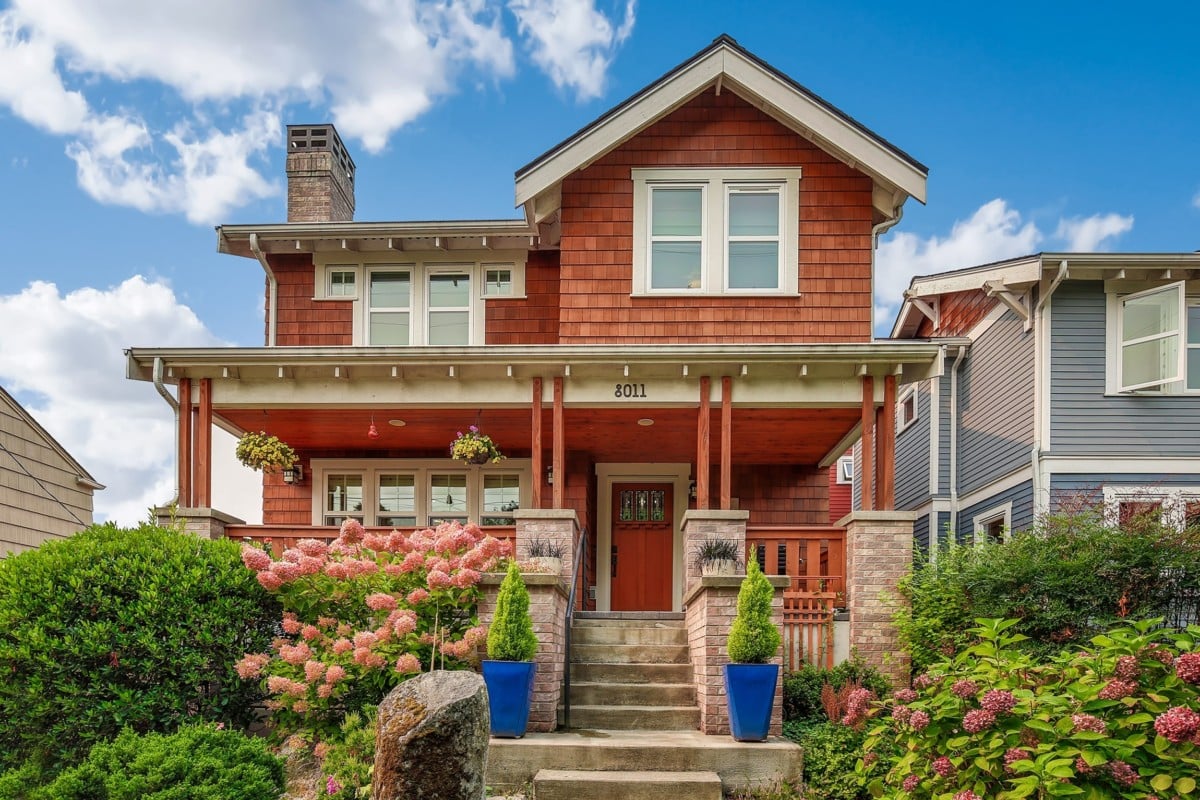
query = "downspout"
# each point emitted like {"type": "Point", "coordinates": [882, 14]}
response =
{"type": "Point", "coordinates": [1042, 345]}
{"type": "Point", "coordinates": [174, 404]}
{"type": "Point", "coordinates": [272, 288]}
{"type": "Point", "coordinates": [876, 232]}
{"type": "Point", "coordinates": [962, 350]}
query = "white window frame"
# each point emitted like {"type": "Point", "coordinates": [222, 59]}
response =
{"type": "Point", "coordinates": [980, 522]}
{"type": "Point", "coordinates": [472, 296]}
{"type": "Point", "coordinates": [411, 310]}
{"type": "Point", "coordinates": [906, 394]}
{"type": "Point", "coordinates": [845, 470]}
{"type": "Point", "coordinates": [421, 470]}
{"type": "Point", "coordinates": [1173, 384]}
{"type": "Point", "coordinates": [1174, 501]}
{"type": "Point", "coordinates": [717, 185]}
{"type": "Point", "coordinates": [486, 268]}
{"type": "Point", "coordinates": [778, 188]}
{"type": "Point", "coordinates": [420, 266]}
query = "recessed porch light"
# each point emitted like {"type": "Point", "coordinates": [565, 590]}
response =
{"type": "Point", "coordinates": [399, 423]}
{"type": "Point", "coordinates": [645, 422]}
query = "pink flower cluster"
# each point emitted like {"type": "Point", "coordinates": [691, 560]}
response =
{"type": "Point", "coordinates": [1116, 689]}
{"type": "Point", "coordinates": [966, 794]}
{"type": "Point", "coordinates": [1087, 722]}
{"type": "Point", "coordinates": [856, 707]}
{"type": "Point", "coordinates": [1187, 667]}
{"type": "Point", "coordinates": [905, 695]}
{"type": "Point", "coordinates": [943, 766]}
{"type": "Point", "coordinates": [919, 720]}
{"type": "Point", "coordinates": [1012, 755]}
{"type": "Point", "coordinates": [1122, 773]}
{"type": "Point", "coordinates": [978, 720]}
{"type": "Point", "coordinates": [1127, 668]}
{"type": "Point", "coordinates": [998, 701]}
{"type": "Point", "coordinates": [1177, 724]}
{"type": "Point", "coordinates": [923, 681]}
{"type": "Point", "coordinates": [965, 688]}
{"type": "Point", "coordinates": [911, 783]}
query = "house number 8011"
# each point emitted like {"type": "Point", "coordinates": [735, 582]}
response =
{"type": "Point", "coordinates": [630, 390]}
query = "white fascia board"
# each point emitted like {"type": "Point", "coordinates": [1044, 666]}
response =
{"type": "Point", "coordinates": [753, 84]}
{"type": "Point", "coordinates": [1022, 273]}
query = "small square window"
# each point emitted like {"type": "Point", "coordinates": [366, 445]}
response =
{"type": "Point", "coordinates": [341, 284]}
{"type": "Point", "coordinates": [498, 282]}
{"type": "Point", "coordinates": [845, 469]}
{"type": "Point", "coordinates": [906, 409]}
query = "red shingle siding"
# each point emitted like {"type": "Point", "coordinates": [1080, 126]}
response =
{"type": "Point", "coordinates": [302, 320]}
{"type": "Point", "coordinates": [961, 311]}
{"type": "Point", "coordinates": [839, 496]}
{"type": "Point", "coordinates": [533, 320]}
{"type": "Point", "coordinates": [597, 238]}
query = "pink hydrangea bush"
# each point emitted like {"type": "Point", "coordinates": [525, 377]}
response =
{"type": "Point", "coordinates": [1121, 720]}
{"type": "Point", "coordinates": [364, 612]}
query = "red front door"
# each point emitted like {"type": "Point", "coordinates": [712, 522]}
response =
{"type": "Point", "coordinates": [643, 534]}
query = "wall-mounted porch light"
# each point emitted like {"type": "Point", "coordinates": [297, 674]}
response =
{"type": "Point", "coordinates": [294, 475]}
{"type": "Point", "coordinates": [550, 474]}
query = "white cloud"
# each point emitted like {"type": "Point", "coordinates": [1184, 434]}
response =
{"type": "Point", "coordinates": [572, 41]}
{"type": "Point", "coordinates": [69, 372]}
{"type": "Point", "coordinates": [1091, 234]}
{"type": "Point", "coordinates": [1196, 200]}
{"type": "Point", "coordinates": [993, 233]}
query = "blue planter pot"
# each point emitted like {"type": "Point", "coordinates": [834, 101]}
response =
{"type": "Point", "coordinates": [750, 691]}
{"type": "Point", "coordinates": [510, 693]}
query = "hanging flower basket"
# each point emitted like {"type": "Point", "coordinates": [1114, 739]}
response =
{"type": "Point", "coordinates": [474, 447]}
{"type": "Point", "coordinates": [265, 453]}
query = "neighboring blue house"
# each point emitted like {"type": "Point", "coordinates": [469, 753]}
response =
{"type": "Point", "coordinates": [1068, 378]}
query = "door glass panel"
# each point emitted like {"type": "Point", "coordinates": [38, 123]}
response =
{"type": "Point", "coordinates": [676, 212]}
{"type": "Point", "coordinates": [657, 498]}
{"type": "Point", "coordinates": [642, 501]}
{"type": "Point", "coordinates": [753, 213]}
{"type": "Point", "coordinates": [626, 506]}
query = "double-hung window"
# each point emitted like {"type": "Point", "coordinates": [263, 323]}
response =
{"type": "Point", "coordinates": [704, 231]}
{"type": "Point", "coordinates": [449, 308]}
{"type": "Point", "coordinates": [389, 317]}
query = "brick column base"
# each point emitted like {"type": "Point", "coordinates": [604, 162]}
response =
{"type": "Point", "coordinates": [548, 608]}
{"type": "Point", "coordinates": [558, 526]}
{"type": "Point", "coordinates": [710, 605]}
{"type": "Point", "coordinates": [701, 524]}
{"type": "Point", "coordinates": [878, 554]}
{"type": "Point", "coordinates": [207, 523]}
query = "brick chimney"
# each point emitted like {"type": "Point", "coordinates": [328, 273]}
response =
{"type": "Point", "coordinates": [320, 175]}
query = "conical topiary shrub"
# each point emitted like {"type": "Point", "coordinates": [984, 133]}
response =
{"type": "Point", "coordinates": [753, 637]}
{"type": "Point", "coordinates": [511, 636]}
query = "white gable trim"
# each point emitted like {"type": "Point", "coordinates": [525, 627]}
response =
{"type": "Point", "coordinates": [753, 83]}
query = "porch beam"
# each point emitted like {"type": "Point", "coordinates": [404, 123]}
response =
{"type": "Point", "coordinates": [560, 449]}
{"type": "Point", "coordinates": [202, 496]}
{"type": "Point", "coordinates": [703, 442]}
{"type": "Point", "coordinates": [185, 443]}
{"type": "Point", "coordinates": [535, 452]}
{"type": "Point", "coordinates": [726, 443]}
{"type": "Point", "coordinates": [868, 443]}
{"type": "Point", "coordinates": [887, 436]}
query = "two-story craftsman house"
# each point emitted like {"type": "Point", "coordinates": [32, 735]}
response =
{"type": "Point", "coordinates": [679, 323]}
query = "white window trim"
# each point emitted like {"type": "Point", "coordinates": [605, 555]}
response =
{"type": "Point", "coordinates": [421, 469]}
{"type": "Point", "coordinates": [1001, 512]}
{"type": "Point", "coordinates": [845, 476]}
{"type": "Point", "coordinates": [714, 280]}
{"type": "Point", "coordinates": [473, 276]}
{"type": "Point", "coordinates": [362, 331]}
{"type": "Point", "coordinates": [1113, 346]}
{"type": "Point", "coordinates": [1174, 501]}
{"type": "Point", "coordinates": [778, 188]}
{"type": "Point", "coordinates": [908, 392]}
{"type": "Point", "coordinates": [420, 266]}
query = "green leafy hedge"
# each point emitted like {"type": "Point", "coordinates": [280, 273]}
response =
{"type": "Point", "coordinates": [117, 628]}
{"type": "Point", "coordinates": [802, 688]}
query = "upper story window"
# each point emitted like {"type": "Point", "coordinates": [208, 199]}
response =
{"type": "Point", "coordinates": [727, 231]}
{"type": "Point", "coordinates": [906, 408]}
{"type": "Point", "coordinates": [434, 301]}
{"type": "Point", "coordinates": [1157, 341]}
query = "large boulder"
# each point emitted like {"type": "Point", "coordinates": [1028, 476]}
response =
{"type": "Point", "coordinates": [432, 740]}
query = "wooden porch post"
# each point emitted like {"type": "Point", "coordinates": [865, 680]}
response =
{"type": "Point", "coordinates": [535, 454]}
{"type": "Point", "coordinates": [560, 448]}
{"type": "Point", "coordinates": [202, 497]}
{"type": "Point", "coordinates": [185, 443]}
{"type": "Point", "coordinates": [887, 454]}
{"type": "Point", "coordinates": [703, 442]}
{"type": "Point", "coordinates": [726, 443]}
{"type": "Point", "coordinates": [868, 443]}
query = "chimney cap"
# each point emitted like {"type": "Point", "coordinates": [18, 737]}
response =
{"type": "Point", "coordinates": [323, 137]}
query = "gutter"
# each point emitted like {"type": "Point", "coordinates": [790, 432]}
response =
{"type": "Point", "coordinates": [174, 404]}
{"type": "Point", "coordinates": [962, 351]}
{"type": "Point", "coordinates": [876, 232]}
{"type": "Point", "coordinates": [272, 288]}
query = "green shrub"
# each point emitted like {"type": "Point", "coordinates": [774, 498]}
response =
{"type": "Point", "coordinates": [1117, 720]}
{"type": "Point", "coordinates": [753, 637]}
{"type": "Point", "coordinates": [349, 759]}
{"type": "Point", "coordinates": [831, 752]}
{"type": "Point", "coordinates": [1071, 577]}
{"type": "Point", "coordinates": [802, 688]}
{"type": "Point", "coordinates": [197, 763]}
{"type": "Point", "coordinates": [118, 628]}
{"type": "Point", "coordinates": [511, 636]}
{"type": "Point", "coordinates": [20, 782]}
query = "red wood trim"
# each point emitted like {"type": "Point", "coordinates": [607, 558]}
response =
{"type": "Point", "coordinates": [202, 497]}
{"type": "Point", "coordinates": [868, 443]}
{"type": "Point", "coordinates": [185, 443]}
{"type": "Point", "coordinates": [879, 436]}
{"type": "Point", "coordinates": [703, 442]}
{"type": "Point", "coordinates": [535, 455]}
{"type": "Point", "coordinates": [726, 443]}
{"type": "Point", "coordinates": [887, 458]}
{"type": "Point", "coordinates": [560, 449]}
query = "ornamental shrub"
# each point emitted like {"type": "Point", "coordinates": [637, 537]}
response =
{"type": "Point", "coordinates": [511, 637]}
{"type": "Point", "coordinates": [753, 637]}
{"type": "Point", "coordinates": [802, 688]}
{"type": "Point", "coordinates": [118, 628]}
{"type": "Point", "coordinates": [198, 762]}
{"type": "Point", "coordinates": [364, 613]}
{"type": "Point", "coordinates": [831, 753]}
{"type": "Point", "coordinates": [1116, 720]}
{"type": "Point", "coordinates": [349, 761]}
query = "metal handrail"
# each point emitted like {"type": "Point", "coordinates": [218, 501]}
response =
{"type": "Point", "coordinates": [580, 560]}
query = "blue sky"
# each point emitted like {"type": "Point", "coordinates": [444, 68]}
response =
{"type": "Point", "coordinates": [1045, 126]}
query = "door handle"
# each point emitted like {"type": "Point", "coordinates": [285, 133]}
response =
{"type": "Point", "coordinates": [614, 561]}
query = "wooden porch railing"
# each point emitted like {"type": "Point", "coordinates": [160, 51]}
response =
{"type": "Point", "coordinates": [281, 537]}
{"type": "Point", "coordinates": [814, 557]}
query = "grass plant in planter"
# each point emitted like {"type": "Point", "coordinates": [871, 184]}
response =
{"type": "Point", "coordinates": [753, 641]}
{"type": "Point", "coordinates": [717, 557]}
{"type": "Point", "coordinates": [509, 668]}
{"type": "Point", "coordinates": [546, 554]}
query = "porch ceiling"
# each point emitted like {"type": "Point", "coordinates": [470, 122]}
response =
{"type": "Point", "coordinates": [760, 435]}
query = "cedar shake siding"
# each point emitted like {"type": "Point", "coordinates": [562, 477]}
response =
{"type": "Point", "coordinates": [961, 311]}
{"type": "Point", "coordinates": [304, 321]}
{"type": "Point", "coordinates": [716, 131]}
{"type": "Point", "coordinates": [533, 320]}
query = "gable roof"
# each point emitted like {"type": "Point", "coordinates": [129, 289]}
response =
{"type": "Point", "coordinates": [84, 476]}
{"type": "Point", "coordinates": [727, 65]}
